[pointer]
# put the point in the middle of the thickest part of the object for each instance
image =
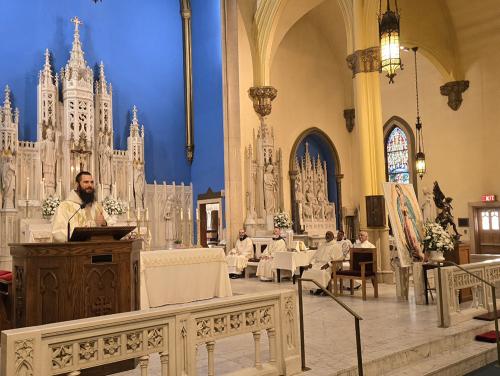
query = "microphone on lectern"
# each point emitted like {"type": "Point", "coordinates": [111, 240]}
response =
{"type": "Point", "coordinates": [82, 206]}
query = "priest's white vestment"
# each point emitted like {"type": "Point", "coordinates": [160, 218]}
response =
{"type": "Point", "coordinates": [326, 254]}
{"type": "Point", "coordinates": [237, 258]}
{"type": "Point", "coordinates": [84, 218]}
{"type": "Point", "coordinates": [265, 267]}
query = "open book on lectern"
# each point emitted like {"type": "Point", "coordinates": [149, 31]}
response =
{"type": "Point", "coordinates": [81, 234]}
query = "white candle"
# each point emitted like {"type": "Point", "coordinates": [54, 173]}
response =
{"type": "Point", "coordinates": [138, 214]}
{"type": "Point", "coordinates": [42, 189]}
{"type": "Point", "coordinates": [28, 188]}
{"type": "Point", "coordinates": [59, 187]}
{"type": "Point", "coordinates": [129, 193]}
{"type": "Point", "coordinates": [128, 212]}
{"type": "Point", "coordinates": [102, 192]}
{"type": "Point", "coordinates": [114, 190]}
{"type": "Point", "coordinates": [182, 217]}
{"type": "Point", "coordinates": [189, 215]}
{"type": "Point", "coordinates": [197, 214]}
{"type": "Point", "coordinates": [147, 214]}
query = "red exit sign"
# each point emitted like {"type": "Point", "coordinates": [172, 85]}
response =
{"type": "Point", "coordinates": [488, 198]}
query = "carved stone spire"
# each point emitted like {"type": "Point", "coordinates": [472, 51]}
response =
{"type": "Point", "coordinates": [7, 107]}
{"type": "Point", "coordinates": [76, 58]}
{"type": "Point", "coordinates": [134, 126]}
{"type": "Point", "coordinates": [102, 85]}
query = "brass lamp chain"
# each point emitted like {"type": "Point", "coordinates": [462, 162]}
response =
{"type": "Point", "coordinates": [420, 139]}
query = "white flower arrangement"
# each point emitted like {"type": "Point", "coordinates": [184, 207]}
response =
{"type": "Point", "coordinates": [437, 238]}
{"type": "Point", "coordinates": [282, 220]}
{"type": "Point", "coordinates": [113, 206]}
{"type": "Point", "coordinates": [49, 206]}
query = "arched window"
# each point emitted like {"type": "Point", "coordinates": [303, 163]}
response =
{"type": "Point", "coordinates": [399, 149]}
{"type": "Point", "coordinates": [396, 150]}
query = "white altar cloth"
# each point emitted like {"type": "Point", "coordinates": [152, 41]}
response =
{"type": "Point", "coordinates": [292, 260]}
{"type": "Point", "coordinates": [182, 276]}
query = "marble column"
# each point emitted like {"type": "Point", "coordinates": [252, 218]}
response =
{"type": "Point", "coordinates": [364, 63]}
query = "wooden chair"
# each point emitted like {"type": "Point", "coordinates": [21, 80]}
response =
{"type": "Point", "coordinates": [362, 266]}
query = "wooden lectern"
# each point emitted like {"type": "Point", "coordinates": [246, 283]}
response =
{"type": "Point", "coordinates": [55, 282]}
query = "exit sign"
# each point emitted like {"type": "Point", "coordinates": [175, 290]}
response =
{"type": "Point", "coordinates": [488, 198]}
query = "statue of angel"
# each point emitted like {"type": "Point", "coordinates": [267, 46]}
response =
{"type": "Point", "coordinates": [445, 217]}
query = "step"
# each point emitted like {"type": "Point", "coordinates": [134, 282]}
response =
{"type": "Point", "coordinates": [419, 354]}
{"type": "Point", "coordinates": [452, 362]}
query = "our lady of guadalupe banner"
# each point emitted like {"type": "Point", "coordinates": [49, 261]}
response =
{"type": "Point", "coordinates": [406, 221]}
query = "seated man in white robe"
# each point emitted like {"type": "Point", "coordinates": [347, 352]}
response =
{"type": "Point", "coordinates": [237, 258]}
{"type": "Point", "coordinates": [320, 268]}
{"type": "Point", "coordinates": [265, 268]}
{"type": "Point", "coordinates": [80, 209]}
{"type": "Point", "coordinates": [362, 241]}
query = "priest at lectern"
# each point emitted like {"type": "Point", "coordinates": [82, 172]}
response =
{"type": "Point", "coordinates": [80, 209]}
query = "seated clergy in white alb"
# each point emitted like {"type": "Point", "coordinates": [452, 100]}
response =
{"type": "Point", "coordinates": [362, 241]}
{"type": "Point", "coordinates": [265, 267]}
{"type": "Point", "coordinates": [237, 258]}
{"type": "Point", "coordinates": [320, 268]}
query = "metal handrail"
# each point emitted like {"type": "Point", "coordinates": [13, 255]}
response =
{"type": "Point", "coordinates": [343, 305]}
{"type": "Point", "coordinates": [493, 297]}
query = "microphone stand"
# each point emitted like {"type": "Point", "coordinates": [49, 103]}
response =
{"type": "Point", "coordinates": [70, 218]}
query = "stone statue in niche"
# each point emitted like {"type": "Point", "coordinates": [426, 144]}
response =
{"type": "Point", "coordinates": [8, 181]}
{"type": "Point", "coordinates": [270, 189]}
{"type": "Point", "coordinates": [48, 156]}
{"type": "Point", "coordinates": [105, 156]}
{"type": "Point", "coordinates": [139, 187]}
{"type": "Point", "coordinates": [263, 181]}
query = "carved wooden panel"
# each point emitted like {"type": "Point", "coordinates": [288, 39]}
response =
{"type": "Point", "coordinates": [20, 296]}
{"type": "Point", "coordinates": [49, 294]}
{"type": "Point", "coordinates": [101, 283]}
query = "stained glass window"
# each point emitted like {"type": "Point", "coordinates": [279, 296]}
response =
{"type": "Point", "coordinates": [397, 156]}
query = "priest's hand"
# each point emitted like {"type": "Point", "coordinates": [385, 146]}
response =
{"type": "Point", "coordinates": [99, 219]}
{"type": "Point", "coordinates": [325, 266]}
{"type": "Point", "coordinates": [308, 266]}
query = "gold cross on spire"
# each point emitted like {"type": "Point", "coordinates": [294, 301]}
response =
{"type": "Point", "coordinates": [76, 21]}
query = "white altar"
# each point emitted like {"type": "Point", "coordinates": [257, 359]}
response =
{"type": "Point", "coordinates": [182, 276]}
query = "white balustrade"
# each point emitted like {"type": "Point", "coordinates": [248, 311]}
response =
{"type": "Point", "coordinates": [174, 333]}
{"type": "Point", "coordinates": [453, 280]}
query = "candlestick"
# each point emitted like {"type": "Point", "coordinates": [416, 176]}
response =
{"type": "Point", "coordinates": [129, 192]}
{"type": "Point", "coordinates": [102, 192]}
{"type": "Point", "coordinates": [42, 189]}
{"type": "Point", "coordinates": [128, 212]}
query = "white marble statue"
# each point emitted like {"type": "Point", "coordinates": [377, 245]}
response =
{"type": "Point", "coordinates": [270, 188]}
{"type": "Point", "coordinates": [48, 157]}
{"type": "Point", "coordinates": [105, 155]}
{"type": "Point", "coordinates": [429, 212]}
{"type": "Point", "coordinates": [8, 181]}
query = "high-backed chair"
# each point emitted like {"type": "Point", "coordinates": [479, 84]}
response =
{"type": "Point", "coordinates": [362, 266]}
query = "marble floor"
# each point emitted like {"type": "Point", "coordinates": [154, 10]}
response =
{"type": "Point", "coordinates": [388, 327]}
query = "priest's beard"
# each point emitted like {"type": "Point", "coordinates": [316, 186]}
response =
{"type": "Point", "coordinates": [87, 196]}
{"type": "Point", "coordinates": [243, 237]}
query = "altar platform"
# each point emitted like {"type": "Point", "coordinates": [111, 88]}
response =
{"type": "Point", "coordinates": [398, 338]}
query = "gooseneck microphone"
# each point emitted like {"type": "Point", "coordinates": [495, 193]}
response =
{"type": "Point", "coordinates": [82, 206]}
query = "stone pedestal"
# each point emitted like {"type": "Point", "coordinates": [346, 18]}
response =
{"type": "Point", "coordinates": [418, 283]}
{"type": "Point", "coordinates": [402, 276]}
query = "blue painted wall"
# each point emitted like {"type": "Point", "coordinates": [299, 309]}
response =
{"type": "Point", "coordinates": [140, 43]}
{"type": "Point", "coordinates": [208, 165]}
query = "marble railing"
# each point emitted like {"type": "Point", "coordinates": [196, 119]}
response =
{"type": "Point", "coordinates": [453, 280]}
{"type": "Point", "coordinates": [174, 333]}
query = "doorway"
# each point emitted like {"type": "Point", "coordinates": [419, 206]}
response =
{"type": "Point", "coordinates": [487, 229]}
{"type": "Point", "coordinates": [209, 219]}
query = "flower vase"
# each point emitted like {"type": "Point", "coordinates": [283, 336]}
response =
{"type": "Point", "coordinates": [47, 218]}
{"type": "Point", "coordinates": [436, 256]}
